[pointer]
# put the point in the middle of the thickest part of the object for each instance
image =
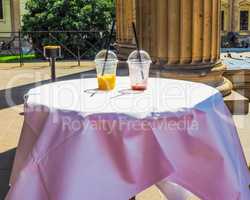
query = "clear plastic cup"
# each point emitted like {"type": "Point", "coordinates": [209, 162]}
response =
{"type": "Point", "coordinates": [139, 69]}
{"type": "Point", "coordinates": [106, 70]}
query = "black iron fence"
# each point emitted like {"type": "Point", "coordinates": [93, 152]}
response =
{"type": "Point", "coordinates": [76, 45]}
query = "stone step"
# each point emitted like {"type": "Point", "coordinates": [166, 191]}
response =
{"type": "Point", "coordinates": [241, 81]}
{"type": "Point", "coordinates": [7, 159]}
{"type": "Point", "coordinates": [237, 104]}
{"type": "Point", "coordinates": [4, 182]}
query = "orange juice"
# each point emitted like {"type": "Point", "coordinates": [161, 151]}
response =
{"type": "Point", "coordinates": [106, 82]}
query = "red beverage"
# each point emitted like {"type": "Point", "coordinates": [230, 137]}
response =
{"type": "Point", "coordinates": [139, 87]}
{"type": "Point", "coordinates": [139, 64]}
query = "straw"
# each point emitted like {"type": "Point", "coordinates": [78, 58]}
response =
{"type": "Point", "coordinates": [138, 48]}
{"type": "Point", "coordinates": [108, 46]}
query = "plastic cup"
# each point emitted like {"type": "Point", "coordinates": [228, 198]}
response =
{"type": "Point", "coordinates": [139, 70]}
{"type": "Point", "coordinates": [106, 70]}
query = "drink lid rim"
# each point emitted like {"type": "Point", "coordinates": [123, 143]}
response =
{"type": "Point", "coordinates": [108, 60]}
{"type": "Point", "coordinates": [139, 62]}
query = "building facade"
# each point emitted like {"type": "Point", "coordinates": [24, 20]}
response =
{"type": "Point", "coordinates": [11, 12]}
{"type": "Point", "coordinates": [235, 16]}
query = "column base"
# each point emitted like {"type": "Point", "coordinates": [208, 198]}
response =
{"type": "Point", "coordinates": [225, 88]}
{"type": "Point", "coordinates": [210, 74]}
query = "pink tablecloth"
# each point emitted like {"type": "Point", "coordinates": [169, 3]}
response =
{"type": "Point", "coordinates": [77, 151]}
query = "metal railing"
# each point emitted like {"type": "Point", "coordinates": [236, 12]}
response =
{"type": "Point", "coordinates": [76, 45]}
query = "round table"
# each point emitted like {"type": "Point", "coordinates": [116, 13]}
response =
{"type": "Point", "coordinates": [163, 95]}
{"type": "Point", "coordinates": [80, 142]}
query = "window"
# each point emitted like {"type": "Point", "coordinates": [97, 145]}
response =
{"type": "Point", "coordinates": [222, 20]}
{"type": "Point", "coordinates": [244, 20]}
{"type": "Point", "coordinates": [1, 9]}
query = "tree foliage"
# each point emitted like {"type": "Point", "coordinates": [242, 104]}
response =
{"type": "Point", "coordinates": [67, 15]}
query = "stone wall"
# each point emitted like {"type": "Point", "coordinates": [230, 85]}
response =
{"type": "Point", "coordinates": [5, 23]}
{"type": "Point", "coordinates": [13, 12]}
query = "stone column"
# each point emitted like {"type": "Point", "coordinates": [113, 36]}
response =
{"type": "Point", "coordinates": [235, 15]}
{"type": "Point", "coordinates": [230, 4]}
{"type": "Point", "coordinates": [227, 14]}
{"type": "Point", "coordinates": [15, 15]}
{"type": "Point", "coordinates": [183, 38]}
{"type": "Point", "coordinates": [125, 15]}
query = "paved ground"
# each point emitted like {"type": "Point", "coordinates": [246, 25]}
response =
{"type": "Point", "coordinates": [15, 82]}
{"type": "Point", "coordinates": [19, 80]}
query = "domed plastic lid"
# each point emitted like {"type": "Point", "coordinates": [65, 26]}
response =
{"type": "Point", "coordinates": [102, 54]}
{"type": "Point", "coordinates": [134, 57]}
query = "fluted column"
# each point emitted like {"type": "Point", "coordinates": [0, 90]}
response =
{"type": "Point", "coordinates": [15, 14]}
{"type": "Point", "coordinates": [235, 16]}
{"type": "Point", "coordinates": [186, 30]}
{"type": "Point", "coordinates": [125, 15]}
{"type": "Point", "coordinates": [231, 15]}
{"type": "Point", "coordinates": [183, 38]}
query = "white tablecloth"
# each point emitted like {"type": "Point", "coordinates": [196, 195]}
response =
{"type": "Point", "coordinates": [178, 131]}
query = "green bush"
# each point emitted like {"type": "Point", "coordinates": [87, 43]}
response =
{"type": "Point", "coordinates": [67, 15]}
